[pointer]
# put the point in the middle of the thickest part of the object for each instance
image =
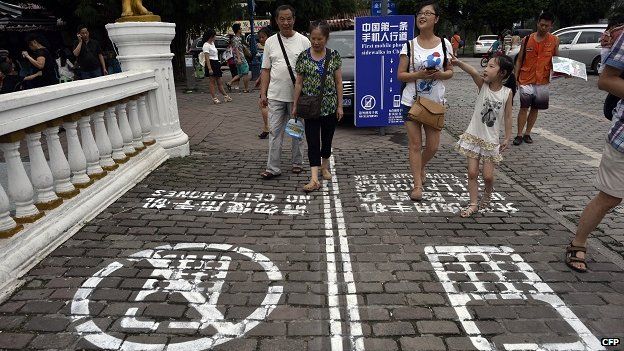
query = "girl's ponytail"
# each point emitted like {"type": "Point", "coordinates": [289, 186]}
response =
{"type": "Point", "coordinates": [506, 64]}
{"type": "Point", "coordinates": [511, 84]}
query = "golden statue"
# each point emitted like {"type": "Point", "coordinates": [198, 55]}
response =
{"type": "Point", "coordinates": [134, 11]}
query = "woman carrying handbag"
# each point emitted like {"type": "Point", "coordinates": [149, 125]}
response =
{"type": "Point", "coordinates": [424, 65]}
{"type": "Point", "coordinates": [318, 100]}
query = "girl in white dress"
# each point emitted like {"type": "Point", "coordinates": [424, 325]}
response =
{"type": "Point", "coordinates": [481, 140]}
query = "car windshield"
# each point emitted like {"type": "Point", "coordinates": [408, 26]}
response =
{"type": "Point", "coordinates": [342, 43]}
{"type": "Point", "coordinates": [488, 37]}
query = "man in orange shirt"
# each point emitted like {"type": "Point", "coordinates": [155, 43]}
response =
{"type": "Point", "coordinates": [532, 71]}
{"type": "Point", "coordinates": [455, 41]}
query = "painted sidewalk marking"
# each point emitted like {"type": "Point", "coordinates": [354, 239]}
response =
{"type": "Point", "coordinates": [184, 274]}
{"type": "Point", "coordinates": [340, 242]}
{"type": "Point", "coordinates": [516, 280]}
{"type": "Point", "coordinates": [239, 203]}
{"type": "Point", "coordinates": [443, 193]}
{"type": "Point", "coordinates": [595, 156]}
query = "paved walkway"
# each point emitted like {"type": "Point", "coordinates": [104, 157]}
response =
{"type": "Point", "coordinates": [204, 255]}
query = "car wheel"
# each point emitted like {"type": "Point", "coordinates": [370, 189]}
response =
{"type": "Point", "coordinates": [595, 64]}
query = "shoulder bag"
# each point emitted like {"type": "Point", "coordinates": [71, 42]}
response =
{"type": "Point", "coordinates": [426, 111]}
{"type": "Point", "coordinates": [309, 107]}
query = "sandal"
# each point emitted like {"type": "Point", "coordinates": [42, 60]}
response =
{"type": "Point", "coordinates": [229, 87]}
{"type": "Point", "coordinates": [263, 135]}
{"type": "Point", "coordinates": [326, 173]}
{"type": "Point", "coordinates": [486, 201]}
{"type": "Point", "coordinates": [215, 101]}
{"type": "Point", "coordinates": [312, 186]}
{"type": "Point", "coordinates": [245, 91]}
{"type": "Point", "coordinates": [572, 256]}
{"type": "Point", "coordinates": [266, 175]}
{"type": "Point", "coordinates": [415, 195]}
{"type": "Point", "coordinates": [297, 169]}
{"type": "Point", "coordinates": [470, 210]}
{"type": "Point", "coordinates": [227, 98]}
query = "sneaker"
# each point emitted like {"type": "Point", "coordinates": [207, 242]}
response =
{"type": "Point", "coordinates": [517, 140]}
{"type": "Point", "coordinates": [527, 139]}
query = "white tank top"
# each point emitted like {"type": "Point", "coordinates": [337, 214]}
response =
{"type": "Point", "coordinates": [488, 115]}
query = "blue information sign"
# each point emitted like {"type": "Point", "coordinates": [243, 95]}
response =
{"type": "Point", "coordinates": [376, 7]}
{"type": "Point", "coordinates": [378, 42]}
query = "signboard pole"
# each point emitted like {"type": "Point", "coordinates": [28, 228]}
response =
{"type": "Point", "coordinates": [384, 12]}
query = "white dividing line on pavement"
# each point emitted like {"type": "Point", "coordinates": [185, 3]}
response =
{"type": "Point", "coordinates": [339, 243]}
{"type": "Point", "coordinates": [335, 320]}
{"type": "Point", "coordinates": [596, 156]}
{"type": "Point", "coordinates": [353, 311]}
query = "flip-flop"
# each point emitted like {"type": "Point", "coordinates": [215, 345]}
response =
{"type": "Point", "coordinates": [266, 175]}
{"type": "Point", "coordinates": [297, 169]}
{"type": "Point", "coordinates": [263, 135]}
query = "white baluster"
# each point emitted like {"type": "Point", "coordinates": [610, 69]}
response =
{"type": "Point", "coordinates": [77, 159]}
{"type": "Point", "coordinates": [59, 165]}
{"type": "Point", "coordinates": [135, 125]}
{"type": "Point", "coordinates": [20, 188]}
{"type": "Point", "coordinates": [115, 135]}
{"type": "Point", "coordinates": [40, 173]}
{"type": "Point", "coordinates": [8, 227]}
{"type": "Point", "coordinates": [146, 124]}
{"type": "Point", "coordinates": [104, 146]}
{"type": "Point", "coordinates": [124, 127]}
{"type": "Point", "coordinates": [94, 170]}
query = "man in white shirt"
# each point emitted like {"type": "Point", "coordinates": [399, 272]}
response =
{"type": "Point", "coordinates": [277, 88]}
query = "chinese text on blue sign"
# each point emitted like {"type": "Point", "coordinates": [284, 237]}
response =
{"type": "Point", "coordinates": [378, 42]}
{"type": "Point", "coordinates": [376, 7]}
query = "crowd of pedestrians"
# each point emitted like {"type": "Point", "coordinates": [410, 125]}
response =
{"type": "Point", "coordinates": [41, 65]}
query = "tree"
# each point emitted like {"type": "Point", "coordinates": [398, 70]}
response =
{"type": "Point", "coordinates": [573, 12]}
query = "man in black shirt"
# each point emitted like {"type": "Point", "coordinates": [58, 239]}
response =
{"type": "Point", "coordinates": [89, 56]}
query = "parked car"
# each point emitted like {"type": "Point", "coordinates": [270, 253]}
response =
{"type": "Point", "coordinates": [344, 43]}
{"type": "Point", "coordinates": [221, 42]}
{"type": "Point", "coordinates": [579, 43]}
{"type": "Point", "coordinates": [483, 44]}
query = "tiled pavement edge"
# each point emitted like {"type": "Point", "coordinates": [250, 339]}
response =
{"type": "Point", "coordinates": [402, 303]}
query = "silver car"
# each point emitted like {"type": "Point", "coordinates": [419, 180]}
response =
{"type": "Point", "coordinates": [579, 43]}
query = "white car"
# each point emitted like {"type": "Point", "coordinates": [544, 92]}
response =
{"type": "Point", "coordinates": [483, 44]}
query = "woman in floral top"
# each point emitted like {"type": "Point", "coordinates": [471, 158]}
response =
{"type": "Point", "coordinates": [319, 131]}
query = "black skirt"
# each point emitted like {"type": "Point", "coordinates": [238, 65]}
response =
{"type": "Point", "coordinates": [215, 65]}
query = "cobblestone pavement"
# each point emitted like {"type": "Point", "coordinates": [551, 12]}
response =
{"type": "Point", "coordinates": [204, 255]}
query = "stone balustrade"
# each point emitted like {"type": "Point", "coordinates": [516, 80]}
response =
{"type": "Point", "coordinates": [70, 151]}
{"type": "Point", "coordinates": [105, 122]}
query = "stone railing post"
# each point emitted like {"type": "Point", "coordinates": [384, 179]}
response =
{"type": "Point", "coordinates": [135, 125]}
{"type": "Point", "coordinates": [146, 45]}
{"type": "Point", "coordinates": [58, 163]}
{"type": "Point", "coordinates": [20, 188]}
{"type": "Point", "coordinates": [124, 127]}
{"type": "Point", "coordinates": [105, 149]}
{"type": "Point", "coordinates": [144, 119]}
{"type": "Point", "coordinates": [8, 226]}
{"type": "Point", "coordinates": [94, 170]}
{"type": "Point", "coordinates": [77, 159]}
{"type": "Point", "coordinates": [115, 135]}
{"type": "Point", "coordinates": [40, 173]}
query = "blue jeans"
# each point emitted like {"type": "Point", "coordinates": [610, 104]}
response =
{"type": "Point", "coordinates": [89, 74]}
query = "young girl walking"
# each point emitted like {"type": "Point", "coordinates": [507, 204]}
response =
{"type": "Point", "coordinates": [481, 140]}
